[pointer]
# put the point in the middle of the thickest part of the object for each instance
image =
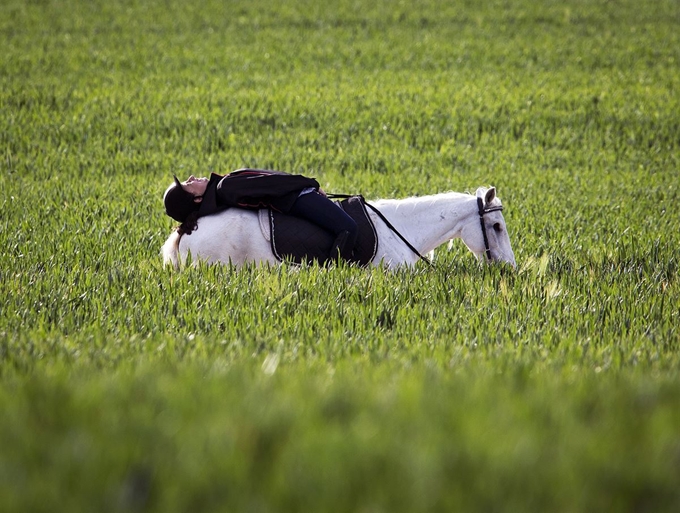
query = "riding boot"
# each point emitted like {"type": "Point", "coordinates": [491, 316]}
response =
{"type": "Point", "coordinates": [341, 248]}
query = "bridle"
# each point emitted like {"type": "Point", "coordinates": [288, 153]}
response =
{"type": "Point", "coordinates": [482, 211]}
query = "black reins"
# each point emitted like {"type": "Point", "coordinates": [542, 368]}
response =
{"type": "Point", "coordinates": [387, 223]}
{"type": "Point", "coordinates": [391, 227]}
{"type": "Point", "coordinates": [482, 211]}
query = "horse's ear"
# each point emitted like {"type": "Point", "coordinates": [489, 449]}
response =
{"type": "Point", "coordinates": [490, 195]}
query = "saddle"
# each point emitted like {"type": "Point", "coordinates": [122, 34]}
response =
{"type": "Point", "coordinates": [298, 240]}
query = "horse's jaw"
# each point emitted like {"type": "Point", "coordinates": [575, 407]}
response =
{"type": "Point", "coordinates": [502, 254]}
{"type": "Point", "coordinates": [501, 259]}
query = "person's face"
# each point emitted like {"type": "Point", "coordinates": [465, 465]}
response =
{"type": "Point", "coordinates": [195, 186]}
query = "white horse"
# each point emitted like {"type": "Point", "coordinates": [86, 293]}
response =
{"type": "Point", "coordinates": [237, 236]}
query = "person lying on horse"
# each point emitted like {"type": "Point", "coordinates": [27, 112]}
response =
{"type": "Point", "coordinates": [254, 189]}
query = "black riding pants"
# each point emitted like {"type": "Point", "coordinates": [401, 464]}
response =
{"type": "Point", "coordinates": [321, 211]}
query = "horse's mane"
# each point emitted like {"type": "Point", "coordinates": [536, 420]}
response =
{"type": "Point", "coordinates": [424, 200]}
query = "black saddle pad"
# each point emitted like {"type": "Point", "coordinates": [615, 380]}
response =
{"type": "Point", "coordinates": [298, 240]}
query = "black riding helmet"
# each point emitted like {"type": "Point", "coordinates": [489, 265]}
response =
{"type": "Point", "coordinates": [178, 202]}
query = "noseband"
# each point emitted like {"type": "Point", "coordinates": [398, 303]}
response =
{"type": "Point", "coordinates": [482, 211]}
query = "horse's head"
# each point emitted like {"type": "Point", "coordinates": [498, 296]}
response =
{"type": "Point", "coordinates": [486, 234]}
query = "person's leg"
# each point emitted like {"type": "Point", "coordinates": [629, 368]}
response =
{"type": "Point", "coordinates": [323, 212]}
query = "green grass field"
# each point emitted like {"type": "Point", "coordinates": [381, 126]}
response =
{"type": "Point", "coordinates": [125, 386]}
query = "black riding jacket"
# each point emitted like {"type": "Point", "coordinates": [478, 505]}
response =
{"type": "Point", "coordinates": [254, 189]}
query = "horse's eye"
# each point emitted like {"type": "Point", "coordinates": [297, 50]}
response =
{"type": "Point", "coordinates": [497, 227]}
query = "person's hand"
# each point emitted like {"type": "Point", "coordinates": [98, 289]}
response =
{"type": "Point", "coordinates": [322, 192]}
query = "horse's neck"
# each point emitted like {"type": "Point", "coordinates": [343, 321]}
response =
{"type": "Point", "coordinates": [429, 221]}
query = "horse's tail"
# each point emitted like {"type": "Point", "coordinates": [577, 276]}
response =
{"type": "Point", "coordinates": [170, 250]}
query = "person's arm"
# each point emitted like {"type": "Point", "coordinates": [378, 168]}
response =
{"type": "Point", "coordinates": [246, 185]}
